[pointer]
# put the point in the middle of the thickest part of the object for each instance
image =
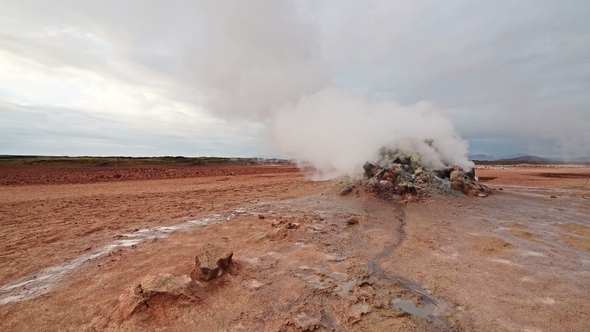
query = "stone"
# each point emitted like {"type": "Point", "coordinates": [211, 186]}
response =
{"type": "Point", "coordinates": [389, 176]}
{"type": "Point", "coordinates": [471, 174]}
{"type": "Point", "coordinates": [458, 181]}
{"type": "Point", "coordinates": [254, 284]}
{"type": "Point", "coordinates": [347, 189]}
{"type": "Point", "coordinates": [211, 262]}
{"type": "Point", "coordinates": [292, 225]}
{"type": "Point", "coordinates": [306, 322]}
{"type": "Point", "coordinates": [461, 182]}
{"type": "Point", "coordinates": [370, 170]}
{"type": "Point", "coordinates": [277, 233]}
{"type": "Point", "coordinates": [352, 220]}
{"type": "Point", "coordinates": [372, 182]}
{"type": "Point", "coordinates": [261, 216]}
{"type": "Point", "coordinates": [359, 309]}
{"type": "Point", "coordinates": [157, 290]}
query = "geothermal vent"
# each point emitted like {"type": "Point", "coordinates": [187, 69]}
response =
{"type": "Point", "coordinates": [398, 176]}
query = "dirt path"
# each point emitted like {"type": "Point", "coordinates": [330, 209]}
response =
{"type": "Point", "coordinates": [516, 261]}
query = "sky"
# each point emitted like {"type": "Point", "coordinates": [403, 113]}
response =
{"type": "Point", "coordinates": [193, 78]}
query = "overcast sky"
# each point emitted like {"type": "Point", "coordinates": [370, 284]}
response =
{"type": "Point", "coordinates": [137, 77]}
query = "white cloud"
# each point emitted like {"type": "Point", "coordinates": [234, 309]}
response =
{"type": "Point", "coordinates": [508, 73]}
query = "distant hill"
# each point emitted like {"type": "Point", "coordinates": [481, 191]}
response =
{"type": "Point", "coordinates": [527, 159]}
{"type": "Point", "coordinates": [488, 157]}
{"type": "Point", "coordinates": [117, 160]}
{"type": "Point", "coordinates": [483, 157]}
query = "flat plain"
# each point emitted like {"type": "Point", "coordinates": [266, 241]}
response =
{"type": "Point", "coordinates": [75, 237]}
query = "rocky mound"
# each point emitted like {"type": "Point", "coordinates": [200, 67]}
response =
{"type": "Point", "coordinates": [396, 176]}
{"type": "Point", "coordinates": [163, 290]}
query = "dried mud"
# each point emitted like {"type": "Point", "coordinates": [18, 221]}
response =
{"type": "Point", "coordinates": [515, 261]}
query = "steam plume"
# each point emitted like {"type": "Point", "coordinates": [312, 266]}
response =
{"type": "Point", "coordinates": [261, 61]}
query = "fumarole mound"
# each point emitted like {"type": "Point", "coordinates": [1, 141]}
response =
{"type": "Point", "coordinates": [397, 176]}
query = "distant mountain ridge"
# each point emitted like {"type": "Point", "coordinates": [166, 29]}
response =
{"type": "Point", "coordinates": [528, 159]}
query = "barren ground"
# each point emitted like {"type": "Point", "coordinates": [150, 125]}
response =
{"type": "Point", "coordinates": [74, 238]}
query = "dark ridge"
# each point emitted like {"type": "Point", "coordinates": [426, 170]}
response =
{"type": "Point", "coordinates": [120, 160]}
{"type": "Point", "coordinates": [566, 175]}
{"type": "Point", "coordinates": [534, 160]}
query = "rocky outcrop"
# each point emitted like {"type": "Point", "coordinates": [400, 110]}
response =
{"type": "Point", "coordinates": [466, 183]}
{"type": "Point", "coordinates": [211, 262]}
{"type": "Point", "coordinates": [165, 290]}
{"type": "Point", "coordinates": [154, 291]}
{"type": "Point", "coordinates": [396, 175]}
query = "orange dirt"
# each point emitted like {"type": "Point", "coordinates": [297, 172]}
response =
{"type": "Point", "coordinates": [75, 238]}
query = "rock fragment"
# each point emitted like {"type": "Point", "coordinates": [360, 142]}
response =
{"type": "Point", "coordinates": [370, 169]}
{"type": "Point", "coordinates": [347, 189]}
{"type": "Point", "coordinates": [352, 220]}
{"type": "Point", "coordinates": [211, 262]}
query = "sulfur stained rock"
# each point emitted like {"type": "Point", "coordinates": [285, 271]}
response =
{"type": "Point", "coordinates": [211, 262]}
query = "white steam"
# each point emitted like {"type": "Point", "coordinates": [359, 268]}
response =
{"type": "Point", "coordinates": [337, 131]}
{"type": "Point", "coordinates": [262, 61]}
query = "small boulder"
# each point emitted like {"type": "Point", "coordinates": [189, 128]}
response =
{"type": "Point", "coordinates": [370, 170]}
{"type": "Point", "coordinates": [458, 181]}
{"type": "Point", "coordinates": [211, 262]}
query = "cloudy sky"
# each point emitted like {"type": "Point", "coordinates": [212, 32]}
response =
{"type": "Point", "coordinates": [193, 78]}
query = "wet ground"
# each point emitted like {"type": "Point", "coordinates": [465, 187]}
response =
{"type": "Point", "coordinates": [518, 260]}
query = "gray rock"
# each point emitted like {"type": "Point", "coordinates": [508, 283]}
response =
{"type": "Point", "coordinates": [347, 189]}
{"type": "Point", "coordinates": [370, 170]}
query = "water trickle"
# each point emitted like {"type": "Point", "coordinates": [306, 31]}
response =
{"type": "Point", "coordinates": [34, 285]}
